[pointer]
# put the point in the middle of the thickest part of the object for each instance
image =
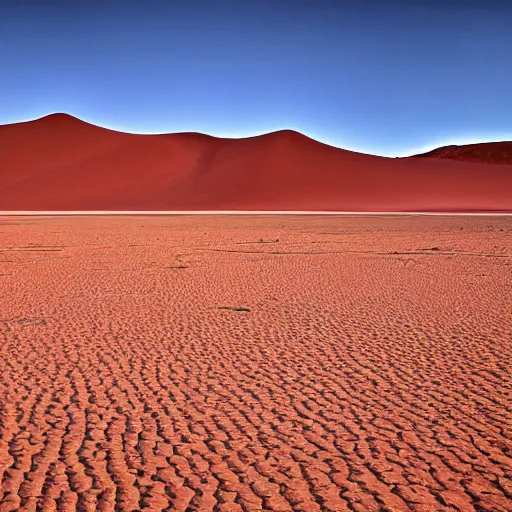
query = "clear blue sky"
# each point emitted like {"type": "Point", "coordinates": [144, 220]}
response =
{"type": "Point", "coordinates": [387, 77]}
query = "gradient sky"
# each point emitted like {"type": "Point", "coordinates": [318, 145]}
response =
{"type": "Point", "coordinates": [385, 77]}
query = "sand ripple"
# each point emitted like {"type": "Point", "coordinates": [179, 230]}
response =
{"type": "Point", "coordinates": [243, 364]}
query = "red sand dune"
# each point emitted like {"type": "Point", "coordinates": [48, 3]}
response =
{"type": "Point", "coordinates": [61, 163]}
{"type": "Point", "coordinates": [488, 152]}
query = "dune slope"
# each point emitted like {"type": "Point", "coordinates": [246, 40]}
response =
{"type": "Point", "coordinates": [61, 163]}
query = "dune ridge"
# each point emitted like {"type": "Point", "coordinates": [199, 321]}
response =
{"type": "Point", "coordinates": [61, 163]}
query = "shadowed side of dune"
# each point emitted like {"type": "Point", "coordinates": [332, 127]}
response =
{"type": "Point", "coordinates": [61, 163]}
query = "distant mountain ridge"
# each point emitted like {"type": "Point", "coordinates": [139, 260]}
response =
{"type": "Point", "coordinates": [485, 152]}
{"type": "Point", "coordinates": [59, 162]}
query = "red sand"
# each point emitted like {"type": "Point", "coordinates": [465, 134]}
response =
{"type": "Point", "coordinates": [61, 163]}
{"type": "Point", "coordinates": [370, 374]}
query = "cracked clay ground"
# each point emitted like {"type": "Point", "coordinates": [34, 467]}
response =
{"type": "Point", "coordinates": [256, 363]}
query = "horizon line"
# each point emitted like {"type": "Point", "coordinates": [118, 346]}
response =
{"type": "Point", "coordinates": [71, 213]}
{"type": "Point", "coordinates": [412, 152]}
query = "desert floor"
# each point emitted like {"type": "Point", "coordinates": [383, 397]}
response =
{"type": "Point", "coordinates": [229, 363]}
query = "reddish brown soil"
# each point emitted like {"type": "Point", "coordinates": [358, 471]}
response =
{"type": "Point", "coordinates": [371, 372]}
{"type": "Point", "coordinates": [488, 152]}
{"type": "Point", "coordinates": [62, 163]}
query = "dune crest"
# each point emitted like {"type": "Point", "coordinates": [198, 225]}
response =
{"type": "Point", "coordinates": [59, 162]}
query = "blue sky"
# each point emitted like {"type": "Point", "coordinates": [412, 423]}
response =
{"type": "Point", "coordinates": [385, 77]}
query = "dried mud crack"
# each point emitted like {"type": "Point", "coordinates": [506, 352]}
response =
{"type": "Point", "coordinates": [370, 377]}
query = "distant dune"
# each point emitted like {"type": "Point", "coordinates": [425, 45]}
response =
{"type": "Point", "coordinates": [488, 152]}
{"type": "Point", "coordinates": [61, 163]}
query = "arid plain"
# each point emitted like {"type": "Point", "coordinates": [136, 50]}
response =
{"type": "Point", "coordinates": [244, 363]}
